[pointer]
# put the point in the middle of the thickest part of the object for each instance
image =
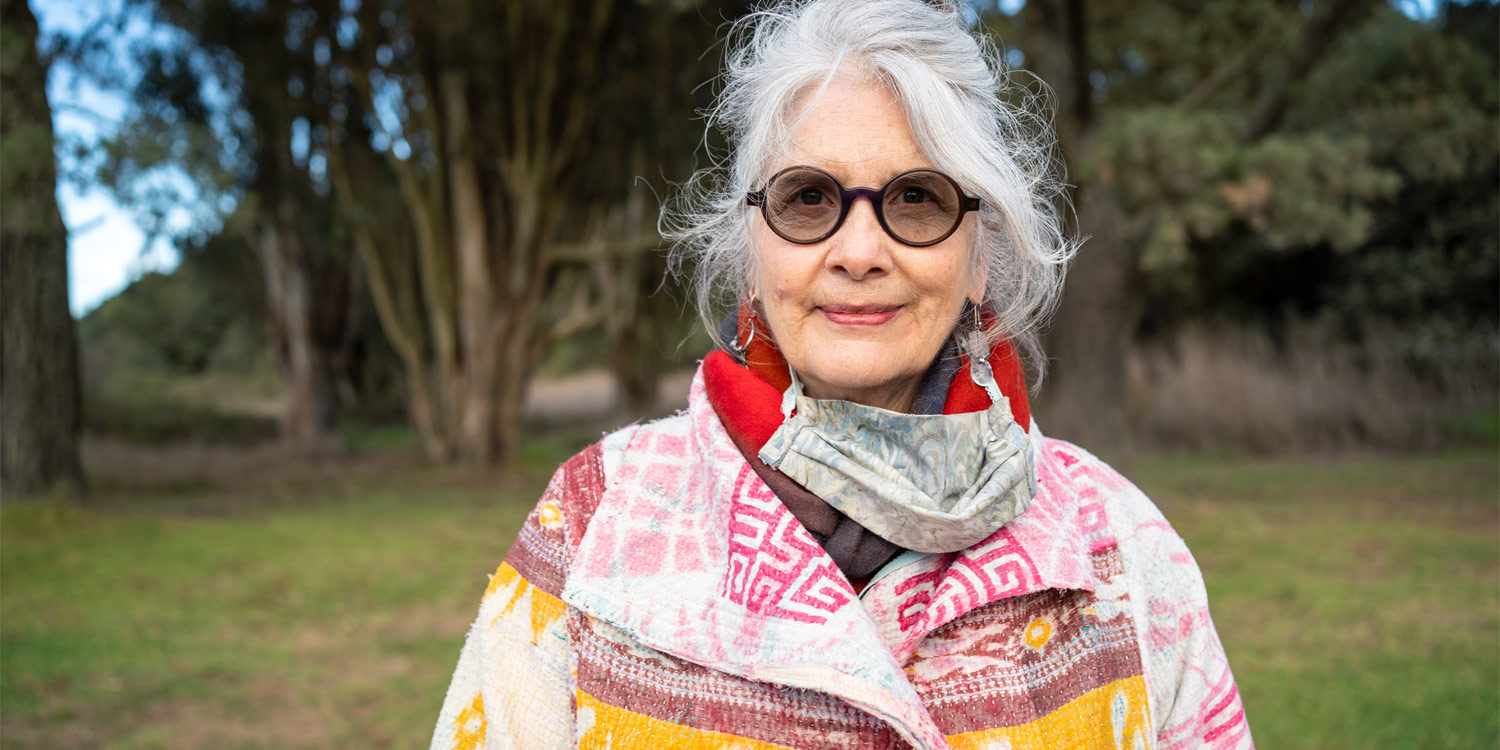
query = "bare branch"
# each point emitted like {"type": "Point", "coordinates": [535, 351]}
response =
{"type": "Point", "coordinates": [1229, 71]}
{"type": "Point", "coordinates": [400, 328]}
{"type": "Point", "coordinates": [583, 252]}
{"type": "Point", "coordinates": [1317, 37]}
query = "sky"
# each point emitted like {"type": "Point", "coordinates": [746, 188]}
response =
{"type": "Point", "coordinates": [106, 248]}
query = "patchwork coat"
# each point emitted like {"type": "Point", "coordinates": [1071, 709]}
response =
{"type": "Point", "coordinates": [661, 596]}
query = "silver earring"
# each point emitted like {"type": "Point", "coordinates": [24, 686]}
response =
{"type": "Point", "coordinates": [741, 350]}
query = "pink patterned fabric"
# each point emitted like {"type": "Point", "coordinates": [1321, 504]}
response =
{"type": "Point", "coordinates": [769, 550]}
{"type": "Point", "coordinates": [681, 600]}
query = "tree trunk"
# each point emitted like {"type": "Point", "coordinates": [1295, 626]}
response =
{"type": "Point", "coordinates": [308, 415]}
{"type": "Point", "coordinates": [1085, 395]}
{"type": "Point", "coordinates": [289, 245]}
{"type": "Point", "coordinates": [479, 331]}
{"type": "Point", "coordinates": [509, 402]}
{"type": "Point", "coordinates": [39, 388]}
{"type": "Point", "coordinates": [1092, 332]}
{"type": "Point", "coordinates": [631, 327]}
{"type": "Point", "coordinates": [638, 373]}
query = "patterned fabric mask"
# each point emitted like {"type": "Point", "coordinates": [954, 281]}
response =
{"type": "Point", "coordinates": [926, 482]}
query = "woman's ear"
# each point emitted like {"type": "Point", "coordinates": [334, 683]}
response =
{"type": "Point", "coordinates": [977, 282]}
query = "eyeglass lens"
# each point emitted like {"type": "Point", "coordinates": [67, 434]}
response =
{"type": "Point", "coordinates": [918, 207]}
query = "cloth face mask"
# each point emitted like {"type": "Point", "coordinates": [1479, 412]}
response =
{"type": "Point", "coordinates": [926, 482]}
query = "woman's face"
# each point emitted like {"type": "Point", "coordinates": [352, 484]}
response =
{"type": "Point", "coordinates": [860, 316]}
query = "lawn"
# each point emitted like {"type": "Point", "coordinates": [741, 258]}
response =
{"type": "Point", "coordinates": [1358, 599]}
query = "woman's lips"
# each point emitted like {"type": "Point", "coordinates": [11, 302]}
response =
{"type": "Point", "coordinates": [859, 315]}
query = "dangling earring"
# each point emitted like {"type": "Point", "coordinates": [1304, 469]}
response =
{"type": "Point", "coordinates": [741, 350]}
{"type": "Point", "coordinates": [751, 321]}
{"type": "Point", "coordinates": [974, 342]}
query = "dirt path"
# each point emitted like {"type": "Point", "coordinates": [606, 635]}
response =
{"type": "Point", "coordinates": [588, 395]}
{"type": "Point", "coordinates": [116, 467]}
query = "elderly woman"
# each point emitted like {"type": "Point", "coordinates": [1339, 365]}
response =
{"type": "Point", "coordinates": [856, 535]}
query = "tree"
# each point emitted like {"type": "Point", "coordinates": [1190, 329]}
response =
{"type": "Point", "coordinates": [513, 133]}
{"type": "Point", "coordinates": [487, 188]}
{"type": "Point", "coordinates": [39, 389]}
{"type": "Point", "coordinates": [1173, 118]}
{"type": "Point", "coordinates": [210, 107]}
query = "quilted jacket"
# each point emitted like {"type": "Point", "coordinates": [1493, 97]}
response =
{"type": "Point", "coordinates": [661, 596]}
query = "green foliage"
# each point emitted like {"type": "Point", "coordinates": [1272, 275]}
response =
{"type": "Point", "coordinates": [1188, 172]}
{"type": "Point", "coordinates": [201, 314]}
{"type": "Point", "coordinates": [1481, 428]}
{"type": "Point", "coordinates": [1422, 94]}
{"type": "Point", "coordinates": [162, 358]}
{"type": "Point", "coordinates": [1399, 100]}
{"type": "Point", "coordinates": [168, 317]}
{"type": "Point", "coordinates": [1318, 189]}
{"type": "Point", "coordinates": [1375, 199]}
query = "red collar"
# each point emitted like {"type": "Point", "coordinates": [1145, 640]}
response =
{"type": "Point", "coordinates": [748, 398]}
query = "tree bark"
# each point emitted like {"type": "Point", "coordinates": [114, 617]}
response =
{"type": "Point", "coordinates": [307, 418]}
{"type": "Point", "coordinates": [39, 386]}
{"type": "Point", "coordinates": [1092, 332]}
{"type": "Point", "coordinates": [286, 243]}
{"type": "Point", "coordinates": [480, 332]}
{"type": "Point", "coordinates": [1094, 329]}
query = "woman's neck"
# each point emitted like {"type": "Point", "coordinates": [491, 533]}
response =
{"type": "Point", "coordinates": [897, 396]}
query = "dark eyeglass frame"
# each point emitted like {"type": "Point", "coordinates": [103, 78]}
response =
{"type": "Point", "coordinates": [847, 196]}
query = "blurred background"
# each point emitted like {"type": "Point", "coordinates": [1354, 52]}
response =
{"type": "Point", "coordinates": [304, 300]}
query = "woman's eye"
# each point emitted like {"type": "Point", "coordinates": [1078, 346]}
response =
{"type": "Point", "coordinates": [913, 195]}
{"type": "Point", "coordinates": [810, 197]}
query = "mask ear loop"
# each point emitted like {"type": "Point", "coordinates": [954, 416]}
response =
{"type": "Point", "coordinates": [790, 395]}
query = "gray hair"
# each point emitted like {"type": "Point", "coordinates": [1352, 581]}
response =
{"type": "Point", "coordinates": [967, 116]}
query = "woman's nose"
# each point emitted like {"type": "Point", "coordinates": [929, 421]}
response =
{"type": "Point", "coordinates": [861, 246]}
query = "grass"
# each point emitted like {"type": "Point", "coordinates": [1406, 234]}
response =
{"type": "Point", "coordinates": [324, 617]}
{"type": "Point", "coordinates": [1358, 599]}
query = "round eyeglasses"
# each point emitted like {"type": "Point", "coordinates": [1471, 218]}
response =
{"type": "Point", "coordinates": [806, 205]}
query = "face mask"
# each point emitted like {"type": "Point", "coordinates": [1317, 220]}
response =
{"type": "Point", "coordinates": [926, 482]}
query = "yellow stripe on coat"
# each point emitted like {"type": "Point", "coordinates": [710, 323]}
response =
{"type": "Point", "coordinates": [545, 608]}
{"type": "Point", "coordinates": [1105, 718]}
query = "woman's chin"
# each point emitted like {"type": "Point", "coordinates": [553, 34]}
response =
{"type": "Point", "coordinates": [869, 357]}
{"type": "Point", "coordinates": [869, 382]}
